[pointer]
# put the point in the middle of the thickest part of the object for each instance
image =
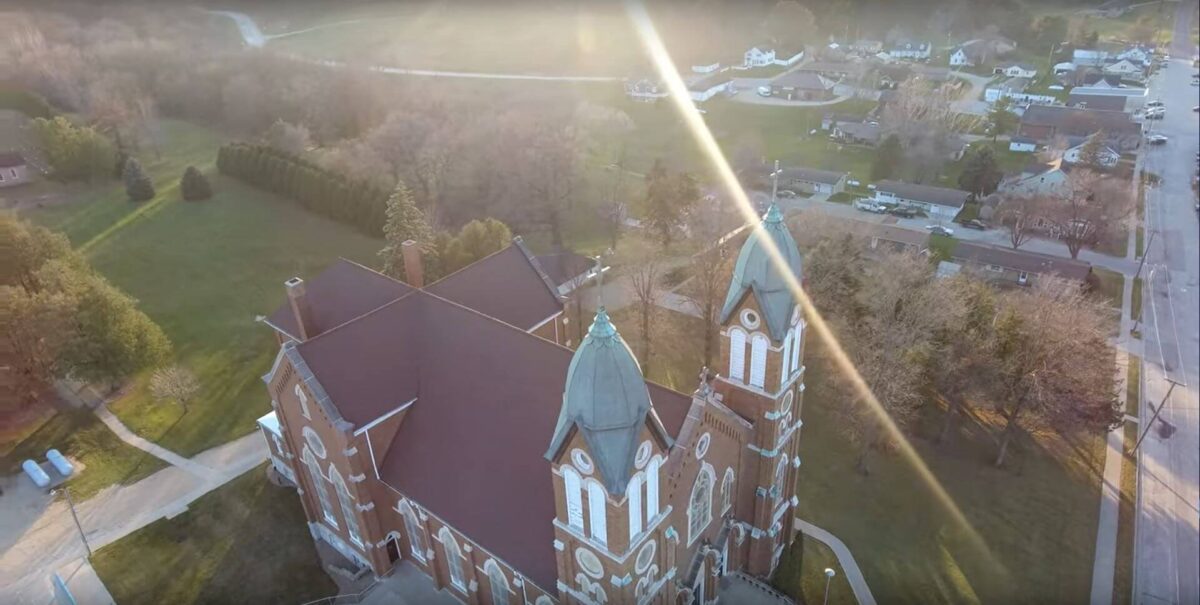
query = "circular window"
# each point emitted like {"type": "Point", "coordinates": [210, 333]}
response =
{"type": "Point", "coordinates": [787, 403]}
{"type": "Point", "coordinates": [702, 445]}
{"type": "Point", "coordinates": [582, 461]}
{"type": "Point", "coordinates": [314, 441]}
{"type": "Point", "coordinates": [750, 319]}
{"type": "Point", "coordinates": [645, 557]}
{"type": "Point", "coordinates": [589, 562]}
{"type": "Point", "coordinates": [643, 455]}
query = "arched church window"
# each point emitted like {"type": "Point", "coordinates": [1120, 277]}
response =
{"type": "Point", "coordinates": [574, 497]}
{"type": "Point", "coordinates": [318, 481]}
{"type": "Point", "coordinates": [799, 337]}
{"type": "Point", "coordinates": [652, 487]}
{"type": "Point", "coordinates": [784, 372]}
{"type": "Point", "coordinates": [498, 582]}
{"type": "Point", "coordinates": [303, 401]}
{"type": "Point", "coordinates": [727, 490]}
{"type": "Point", "coordinates": [780, 475]}
{"type": "Point", "coordinates": [758, 360]}
{"type": "Point", "coordinates": [347, 505]}
{"type": "Point", "coordinates": [453, 559]}
{"type": "Point", "coordinates": [416, 538]}
{"type": "Point", "coordinates": [700, 504]}
{"type": "Point", "coordinates": [737, 354]}
{"type": "Point", "coordinates": [596, 512]}
{"type": "Point", "coordinates": [633, 491]}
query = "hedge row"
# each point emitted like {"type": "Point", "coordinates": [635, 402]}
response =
{"type": "Point", "coordinates": [355, 203]}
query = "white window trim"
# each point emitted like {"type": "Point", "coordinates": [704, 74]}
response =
{"type": "Point", "coordinates": [737, 354]}
{"type": "Point", "coordinates": [694, 530]}
{"type": "Point", "coordinates": [573, 486]}
{"type": "Point", "coordinates": [416, 534]}
{"type": "Point", "coordinates": [758, 359]}
{"type": "Point", "coordinates": [597, 512]}
{"type": "Point", "coordinates": [303, 401]}
{"type": "Point", "coordinates": [318, 478]}
{"type": "Point", "coordinates": [346, 503]}
{"type": "Point", "coordinates": [454, 559]}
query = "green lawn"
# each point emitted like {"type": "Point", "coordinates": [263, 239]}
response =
{"type": "Point", "coordinates": [245, 542]}
{"type": "Point", "coordinates": [1110, 286]}
{"type": "Point", "coordinates": [1036, 516]}
{"type": "Point", "coordinates": [801, 573]}
{"type": "Point", "coordinates": [942, 247]}
{"type": "Point", "coordinates": [1123, 577]}
{"type": "Point", "coordinates": [78, 434]}
{"type": "Point", "coordinates": [1135, 302]}
{"type": "Point", "coordinates": [1140, 243]}
{"type": "Point", "coordinates": [204, 271]}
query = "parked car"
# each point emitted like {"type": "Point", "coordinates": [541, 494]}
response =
{"type": "Point", "coordinates": [764, 91]}
{"type": "Point", "coordinates": [975, 224]}
{"type": "Point", "coordinates": [786, 193]}
{"type": "Point", "coordinates": [1156, 103]}
{"type": "Point", "coordinates": [868, 205]}
{"type": "Point", "coordinates": [1156, 139]}
{"type": "Point", "coordinates": [940, 230]}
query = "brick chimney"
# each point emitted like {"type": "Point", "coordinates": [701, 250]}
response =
{"type": "Point", "coordinates": [300, 309]}
{"type": "Point", "coordinates": [414, 269]}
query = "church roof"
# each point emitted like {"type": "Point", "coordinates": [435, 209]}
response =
{"type": "Point", "coordinates": [607, 401]}
{"type": "Point", "coordinates": [509, 285]}
{"type": "Point", "coordinates": [487, 396]}
{"type": "Point", "coordinates": [338, 294]}
{"type": "Point", "coordinates": [755, 271]}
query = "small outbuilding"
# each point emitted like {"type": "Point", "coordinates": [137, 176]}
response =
{"type": "Point", "coordinates": [13, 169]}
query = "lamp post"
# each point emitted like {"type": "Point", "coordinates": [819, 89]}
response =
{"type": "Point", "coordinates": [829, 573]}
{"type": "Point", "coordinates": [71, 504]}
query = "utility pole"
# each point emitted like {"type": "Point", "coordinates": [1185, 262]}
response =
{"type": "Point", "coordinates": [1158, 411]}
{"type": "Point", "coordinates": [1145, 252]}
{"type": "Point", "coordinates": [82, 536]}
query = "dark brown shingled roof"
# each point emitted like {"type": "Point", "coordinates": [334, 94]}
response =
{"type": "Point", "coordinates": [488, 396]}
{"type": "Point", "coordinates": [507, 285]}
{"type": "Point", "coordinates": [338, 294]}
{"type": "Point", "coordinates": [1020, 260]}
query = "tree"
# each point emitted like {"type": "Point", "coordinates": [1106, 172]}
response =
{"type": "Point", "coordinates": [74, 153]}
{"type": "Point", "coordinates": [1087, 208]}
{"type": "Point", "coordinates": [791, 25]}
{"type": "Point", "coordinates": [476, 240]}
{"type": "Point", "coordinates": [1001, 118]}
{"type": "Point", "coordinates": [1019, 214]}
{"type": "Point", "coordinates": [174, 383]}
{"type": "Point", "coordinates": [194, 185]}
{"type": "Point", "coordinates": [288, 138]}
{"type": "Point", "coordinates": [926, 119]}
{"type": "Point", "coordinates": [887, 158]}
{"type": "Point", "coordinates": [980, 173]}
{"type": "Point", "coordinates": [35, 325]}
{"type": "Point", "coordinates": [404, 222]}
{"type": "Point", "coordinates": [25, 247]}
{"type": "Point", "coordinates": [418, 146]}
{"type": "Point", "coordinates": [669, 199]}
{"type": "Point", "coordinates": [644, 277]}
{"type": "Point", "coordinates": [1091, 153]}
{"type": "Point", "coordinates": [138, 185]}
{"type": "Point", "coordinates": [1054, 363]}
{"type": "Point", "coordinates": [960, 361]}
{"type": "Point", "coordinates": [1081, 36]}
{"type": "Point", "coordinates": [710, 270]}
{"type": "Point", "coordinates": [1050, 30]}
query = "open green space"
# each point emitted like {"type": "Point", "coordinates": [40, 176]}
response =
{"type": "Point", "coordinates": [1136, 300]}
{"type": "Point", "coordinates": [801, 573]}
{"type": "Point", "coordinates": [245, 542]}
{"type": "Point", "coordinates": [1127, 515]}
{"type": "Point", "coordinates": [204, 271]}
{"type": "Point", "coordinates": [1110, 286]}
{"type": "Point", "coordinates": [1140, 243]}
{"type": "Point", "coordinates": [104, 459]}
{"type": "Point", "coordinates": [1040, 507]}
{"type": "Point", "coordinates": [942, 247]}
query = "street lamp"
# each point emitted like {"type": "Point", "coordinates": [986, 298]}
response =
{"type": "Point", "coordinates": [829, 573]}
{"type": "Point", "coordinates": [71, 504]}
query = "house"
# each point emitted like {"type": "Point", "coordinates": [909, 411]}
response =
{"type": "Point", "coordinates": [938, 202]}
{"type": "Point", "coordinates": [13, 169]}
{"type": "Point", "coordinates": [788, 58]}
{"type": "Point", "coordinates": [1017, 70]}
{"type": "Point", "coordinates": [1137, 54]}
{"type": "Point", "coordinates": [1017, 267]}
{"type": "Point", "coordinates": [1038, 179]}
{"type": "Point", "coordinates": [759, 56]}
{"type": "Point", "coordinates": [1134, 97]}
{"type": "Point", "coordinates": [424, 430]}
{"type": "Point", "coordinates": [890, 238]}
{"type": "Point", "coordinates": [1095, 79]}
{"type": "Point", "coordinates": [1125, 69]}
{"type": "Point", "coordinates": [1103, 102]}
{"type": "Point", "coordinates": [910, 49]}
{"type": "Point", "coordinates": [802, 85]}
{"type": "Point", "coordinates": [857, 133]}
{"type": "Point", "coordinates": [1044, 122]}
{"type": "Point", "coordinates": [970, 54]}
{"type": "Point", "coordinates": [1065, 67]}
{"type": "Point", "coordinates": [1086, 56]}
{"type": "Point", "coordinates": [706, 67]}
{"type": "Point", "coordinates": [646, 90]}
{"type": "Point", "coordinates": [710, 86]}
{"type": "Point", "coordinates": [1107, 156]}
{"type": "Point", "coordinates": [568, 270]}
{"type": "Point", "coordinates": [1022, 144]}
{"type": "Point", "coordinates": [812, 180]}
{"type": "Point", "coordinates": [1014, 90]}
{"type": "Point", "coordinates": [867, 47]}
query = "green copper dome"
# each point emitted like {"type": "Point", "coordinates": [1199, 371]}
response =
{"type": "Point", "coordinates": [756, 272]}
{"type": "Point", "coordinates": [606, 398]}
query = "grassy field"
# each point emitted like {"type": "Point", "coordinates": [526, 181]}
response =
{"type": "Point", "coordinates": [1036, 517]}
{"type": "Point", "coordinates": [204, 271]}
{"type": "Point", "coordinates": [942, 247]}
{"type": "Point", "coordinates": [1110, 287]}
{"type": "Point", "coordinates": [245, 542]}
{"type": "Point", "coordinates": [1123, 574]}
{"type": "Point", "coordinates": [801, 573]}
{"type": "Point", "coordinates": [105, 459]}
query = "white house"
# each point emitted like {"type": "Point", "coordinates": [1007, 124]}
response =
{"type": "Point", "coordinates": [1050, 179]}
{"type": "Point", "coordinates": [1125, 68]}
{"type": "Point", "coordinates": [759, 56]}
{"type": "Point", "coordinates": [1017, 70]}
{"type": "Point", "coordinates": [938, 202]}
{"type": "Point", "coordinates": [1064, 67]}
{"type": "Point", "coordinates": [13, 169]}
{"type": "Point", "coordinates": [646, 90]}
{"type": "Point", "coordinates": [1108, 157]}
{"type": "Point", "coordinates": [1014, 90]}
{"type": "Point", "coordinates": [708, 87]}
{"type": "Point", "coordinates": [1022, 144]}
{"type": "Point", "coordinates": [970, 54]}
{"type": "Point", "coordinates": [1086, 56]}
{"type": "Point", "coordinates": [910, 49]}
{"type": "Point", "coordinates": [1137, 54]}
{"type": "Point", "coordinates": [788, 58]}
{"type": "Point", "coordinates": [706, 68]}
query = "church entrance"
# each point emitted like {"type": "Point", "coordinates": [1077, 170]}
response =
{"type": "Point", "coordinates": [393, 550]}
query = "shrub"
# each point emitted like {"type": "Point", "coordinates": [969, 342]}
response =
{"type": "Point", "coordinates": [194, 185]}
{"type": "Point", "coordinates": [138, 185]}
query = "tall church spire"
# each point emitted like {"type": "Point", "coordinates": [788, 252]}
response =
{"type": "Point", "coordinates": [757, 273]}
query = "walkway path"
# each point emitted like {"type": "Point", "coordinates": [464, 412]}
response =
{"type": "Point", "coordinates": [849, 567]}
{"type": "Point", "coordinates": [116, 426]}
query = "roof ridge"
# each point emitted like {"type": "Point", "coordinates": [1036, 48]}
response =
{"type": "Point", "coordinates": [389, 303]}
{"type": "Point", "coordinates": [533, 262]}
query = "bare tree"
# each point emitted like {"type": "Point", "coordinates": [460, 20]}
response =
{"type": "Point", "coordinates": [543, 172]}
{"type": "Point", "coordinates": [1053, 361]}
{"type": "Point", "coordinates": [1087, 208]}
{"type": "Point", "coordinates": [418, 146]}
{"type": "Point", "coordinates": [644, 277]}
{"type": "Point", "coordinates": [175, 383]}
{"type": "Point", "coordinates": [289, 138]}
{"type": "Point", "coordinates": [960, 362]}
{"type": "Point", "coordinates": [1019, 214]}
{"type": "Point", "coordinates": [924, 117]}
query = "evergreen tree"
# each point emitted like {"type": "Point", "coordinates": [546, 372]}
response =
{"type": "Point", "coordinates": [980, 173]}
{"type": "Point", "coordinates": [194, 185]}
{"type": "Point", "coordinates": [138, 185]}
{"type": "Point", "coordinates": [405, 221]}
{"type": "Point", "coordinates": [669, 199]}
{"type": "Point", "coordinates": [887, 159]}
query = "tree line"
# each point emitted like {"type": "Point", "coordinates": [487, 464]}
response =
{"type": "Point", "coordinates": [355, 202]}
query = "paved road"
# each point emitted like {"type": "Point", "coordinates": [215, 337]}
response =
{"type": "Point", "coordinates": [1168, 522]}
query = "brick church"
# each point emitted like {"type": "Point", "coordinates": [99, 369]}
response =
{"type": "Point", "coordinates": [456, 425]}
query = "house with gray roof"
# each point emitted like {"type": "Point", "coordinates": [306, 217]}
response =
{"type": "Point", "coordinates": [1017, 267]}
{"type": "Point", "coordinates": [941, 203]}
{"type": "Point", "coordinates": [812, 180]}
